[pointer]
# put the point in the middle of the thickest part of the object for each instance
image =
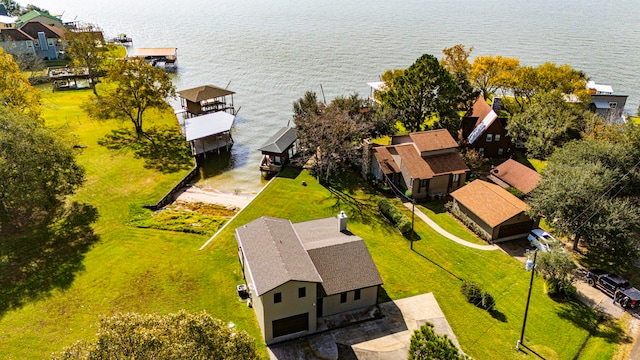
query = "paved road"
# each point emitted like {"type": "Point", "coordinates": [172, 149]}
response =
{"type": "Point", "coordinates": [448, 235]}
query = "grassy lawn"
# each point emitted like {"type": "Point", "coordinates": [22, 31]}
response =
{"type": "Point", "coordinates": [147, 270]}
{"type": "Point", "coordinates": [129, 269]}
{"type": "Point", "coordinates": [554, 330]}
{"type": "Point", "coordinates": [435, 211]}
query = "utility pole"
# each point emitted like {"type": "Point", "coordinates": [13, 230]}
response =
{"type": "Point", "coordinates": [526, 309]}
{"type": "Point", "coordinates": [413, 216]}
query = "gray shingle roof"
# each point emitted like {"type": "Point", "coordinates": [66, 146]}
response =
{"type": "Point", "coordinates": [274, 254]}
{"type": "Point", "coordinates": [280, 141]}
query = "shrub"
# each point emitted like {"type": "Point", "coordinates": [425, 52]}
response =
{"type": "Point", "coordinates": [475, 295]}
{"type": "Point", "coordinates": [397, 217]}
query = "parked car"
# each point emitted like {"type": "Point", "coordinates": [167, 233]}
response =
{"type": "Point", "coordinates": [628, 298]}
{"type": "Point", "coordinates": [543, 241]}
{"type": "Point", "coordinates": [609, 283]}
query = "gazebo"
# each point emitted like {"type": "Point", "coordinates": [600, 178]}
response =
{"type": "Point", "coordinates": [206, 99]}
{"type": "Point", "coordinates": [277, 151]}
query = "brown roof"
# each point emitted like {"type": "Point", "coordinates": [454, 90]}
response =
{"type": "Point", "coordinates": [427, 167]}
{"type": "Point", "coordinates": [341, 258]}
{"type": "Point", "coordinates": [205, 92]}
{"type": "Point", "coordinates": [385, 159]}
{"type": "Point", "coordinates": [274, 254]}
{"type": "Point", "coordinates": [480, 109]}
{"type": "Point", "coordinates": [32, 28]}
{"type": "Point", "coordinates": [516, 175]}
{"type": "Point", "coordinates": [14, 35]}
{"type": "Point", "coordinates": [433, 140]}
{"type": "Point", "coordinates": [491, 203]}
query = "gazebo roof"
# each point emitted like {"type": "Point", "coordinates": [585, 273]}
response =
{"type": "Point", "coordinates": [205, 92]}
{"type": "Point", "coordinates": [280, 141]}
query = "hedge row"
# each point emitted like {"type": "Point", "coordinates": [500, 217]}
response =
{"type": "Point", "coordinates": [470, 224]}
{"type": "Point", "coordinates": [399, 219]}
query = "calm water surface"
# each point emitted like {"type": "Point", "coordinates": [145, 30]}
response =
{"type": "Point", "coordinates": [274, 51]}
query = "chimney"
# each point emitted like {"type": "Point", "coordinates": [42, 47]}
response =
{"type": "Point", "coordinates": [342, 221]}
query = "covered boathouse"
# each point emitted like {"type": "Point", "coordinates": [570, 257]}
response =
{"type": "Point", "coordinates": [278, 150]}
{"type": "Point", "coordinates": [206, 118]}
{"type": "Point", "coordinates": [159, 57]}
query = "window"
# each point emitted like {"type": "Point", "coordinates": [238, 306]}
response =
{"type": "Point", "coordinates": [424, 183]}
{"type": "Point", "coordinates": [496, 137]}
{"type": "Point", "coordinates": [481, 151]}
{"type": "Point", "coordinates": [456, 177]}
{"type": "Point", "coordinates": [50, 42]}
{"type": "Point", "coordinates": [302, 292]}
{"type": "Point", "coordinates": [343, 298]}
{"type": "Point", "coordinates": [613, 104]}
{"type": "Point", "coordinates": [277, 298]}
{"type": "Point", "coordinates": [356, 295]}
{"type": "Point", "coordinates": [489, 137]}
{"type": "Point", "coordinates": [411, 183]}
{"type": "Point", "coordinates": [500, 151]}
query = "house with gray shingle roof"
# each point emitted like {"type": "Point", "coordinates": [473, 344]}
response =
{"type": "Point", "coordinates": [427, 163]}
{"type": "Point", "coordinates": [298, 273]}
{"type": "Point", "coordinates": [278, 150]}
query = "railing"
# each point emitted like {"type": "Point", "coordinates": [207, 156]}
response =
{"type": "Point", "coordinates": [170, 196]}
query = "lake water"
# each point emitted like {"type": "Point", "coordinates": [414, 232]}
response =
{"type": "Point", "coordinates": [271, 52]}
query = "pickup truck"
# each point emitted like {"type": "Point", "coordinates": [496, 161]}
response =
{"type": "Point", "coordinates": [608, 283]}
{"type": "Point", "coordinates": [628, 298]}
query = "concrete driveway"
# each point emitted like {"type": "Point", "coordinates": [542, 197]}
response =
{"type": "Point", "coordinates": [386, 338]}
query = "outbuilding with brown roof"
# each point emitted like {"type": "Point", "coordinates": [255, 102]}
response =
{"type": "Point", "coordinates": [500, 215]}
{"type": "Point", "coordinates": [516, 175]}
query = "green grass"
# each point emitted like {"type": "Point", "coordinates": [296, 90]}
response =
{"type": "Point", "coordinates": [147, 270]}
{"type": "Point", "coordinates": [554, 330]}
{"type": "Point", "coordinates": [435, 211]}
{"type": "Point", "coordinates": [129, 269]}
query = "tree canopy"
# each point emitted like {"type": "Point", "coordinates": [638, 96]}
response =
{"type": "Point", "coordinates": [85, 51]}
{"type": "Point", "coordinates": [332, 133]}
{"type": "Point", "coordinates": [15, 90]}
{"type": "Point", "coordinates": [489, 73]}
{"type": "Point", "coordinates": [427, 345]}
{"type": "Point", "coordinates": [548, 123]}
{"type": "Point", "coordinates": [175, 336]}
{"type": "Point", "coordinates": [422, 91]}
{"type": "Point", "coordinates": [37, 172]}
{"type": "Point", "coordinates": [137, 87]}
{"type": "Point", "coordinates": [588, 191]}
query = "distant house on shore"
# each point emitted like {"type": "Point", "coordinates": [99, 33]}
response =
{"type": "Point", "coordinates": [299, 273]}
{"type": "Point", "coordinates": [47, 40]}
{"type": "Point", "coordinates": [605, 103]}
{"type": "Point", "coordinates": [426, 163]}
{"type": "Point", "coordinates": [483, 130]}
{"type": "Point", "coordinates": [41, 17]}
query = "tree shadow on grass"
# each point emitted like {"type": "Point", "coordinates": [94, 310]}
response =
{"type": "Point", "coordinates": [597, 324]}
{"type": "Point", "coordinates": [34, 263]}
{"type": "Point", "coordinates": [162, 148]}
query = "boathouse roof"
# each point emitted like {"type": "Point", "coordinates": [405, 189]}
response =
{"type": "Point", "coordinates": [156, 52]}
{"type": "Point", "coordinates": [205, 92]}
{"type": "Point", "coordinates": [280, 141]}
{"type": "Point", "coordinates": [206, 125]}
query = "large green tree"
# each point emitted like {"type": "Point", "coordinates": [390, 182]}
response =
{"type": "Point", "coordinates": [332, 133]}
{"type": "Point", "coordinates": [456, 60]}
{"type": "Point", "coordinates": [427, 345]}
{"type": "Point", "coordinates": [175, 336]}
{"type": "Point", "coordinates": [134, 87]}
{"type": "Point", "coordinates": [589, 190]}
{"type": "Point", "coordinates": [37, 173]}
{"type": "Point", "coordinates": [549, 122]}
{"type": "Point", "coordinates": [86, 51]}
{"type": "Point", "coordinates": [424, 91]}
{"type": "Point", "coordinates": [15, 90]}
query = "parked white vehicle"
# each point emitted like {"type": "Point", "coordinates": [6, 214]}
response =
{"type": "Point", "coordinates": [543, 241]}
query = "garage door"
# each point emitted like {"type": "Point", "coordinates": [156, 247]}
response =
{"type": "Point", "coordinates": [290, 325]}
{"type": "Point", "coordinates": [515, 229]}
